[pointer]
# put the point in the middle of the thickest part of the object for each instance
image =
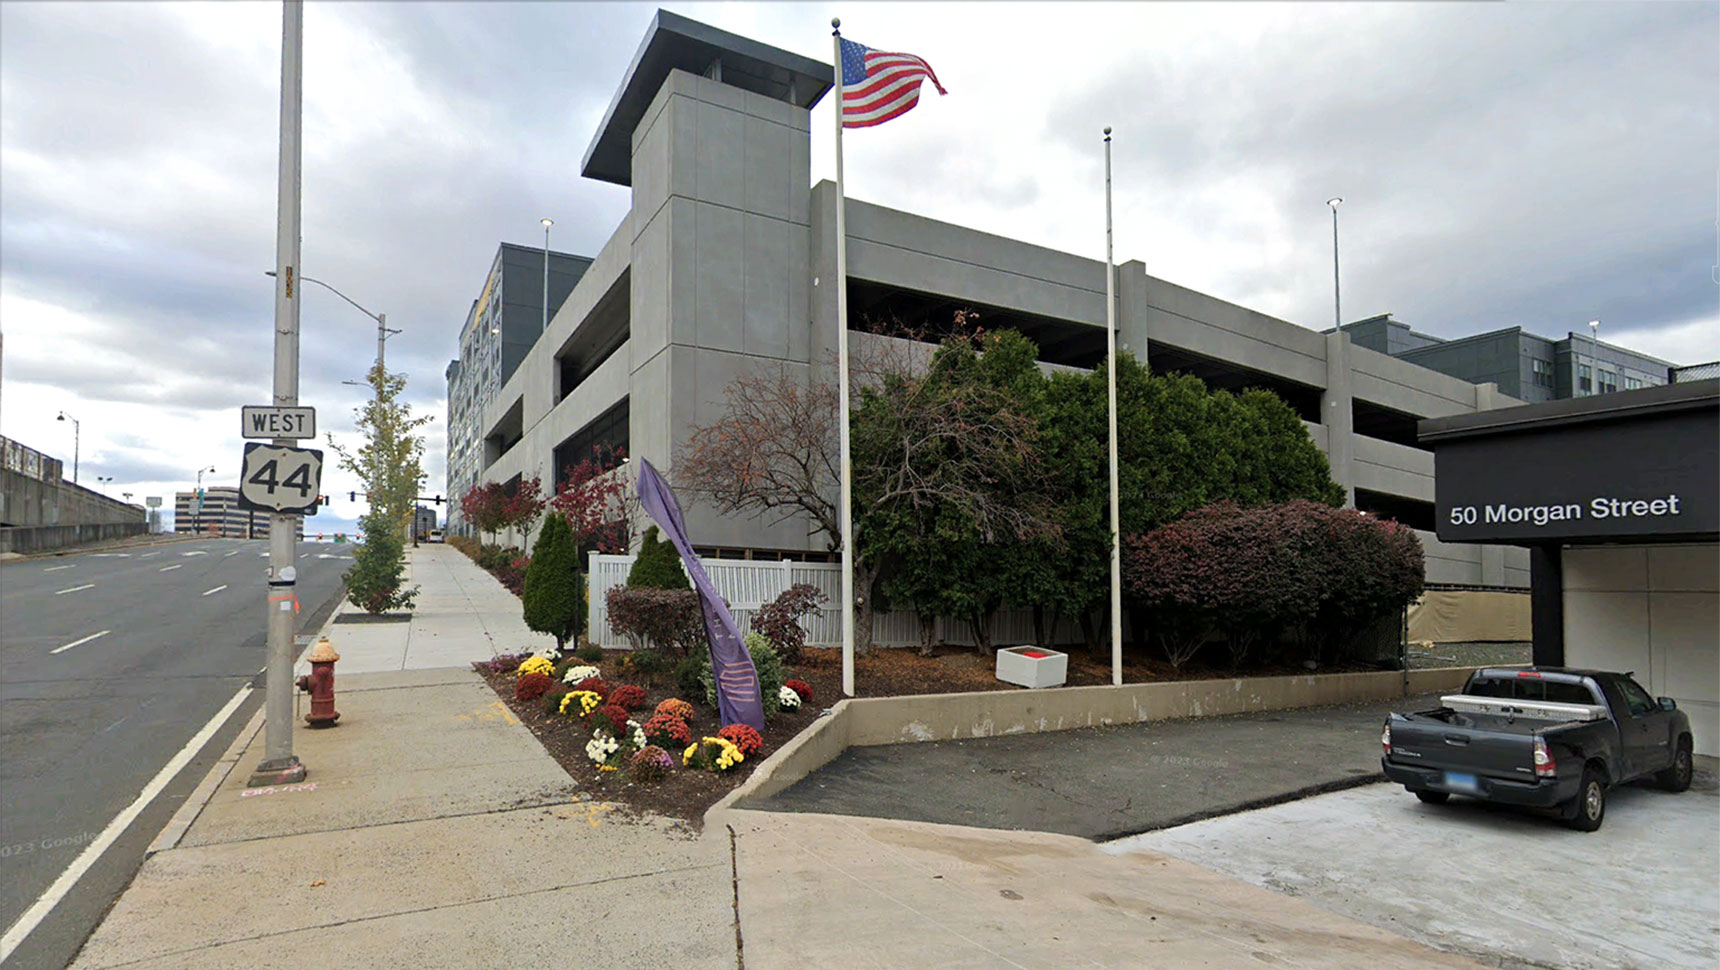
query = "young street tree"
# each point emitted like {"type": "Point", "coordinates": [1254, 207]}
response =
{"type": "Point", "coordinates": [554, 597]}
{"type": "Point", "coordinates": [390, 463]}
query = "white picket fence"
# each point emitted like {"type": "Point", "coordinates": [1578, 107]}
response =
{"type": "Point", "coordinates": [746, 586]}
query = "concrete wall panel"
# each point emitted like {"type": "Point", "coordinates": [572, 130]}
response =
{"type": "Point", "coordinates": [718, 268]}
{"type": "Point", "coordinates": [1610, 568]}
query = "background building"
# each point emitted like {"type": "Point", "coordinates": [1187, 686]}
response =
{"type": "Point", "coordinates": [423, 521]}
{"type": "Point", "coordinates": [502, 325]}
{"type": "Point", "coordinates": [1525, 366]}
{"type": "Point", "coordinates": [725, 263]}
{"type": "Point", "coordinates": [218, 514]}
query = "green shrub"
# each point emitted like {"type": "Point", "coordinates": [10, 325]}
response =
{"type": "Point", "coordinates": [554, 598]}
{"type": "Point", "coordinates": [687, 674]}
{"type": "Point", "coordinates": [765, 661]}
{"type": "Point", "coordinates": [658, 565]}
{"type": "Point", "coordinates": [589, 652]}
{"type": "Point", "coordinates": [373, 581]}
{"type": "Point", "coordinates": [648, 661]}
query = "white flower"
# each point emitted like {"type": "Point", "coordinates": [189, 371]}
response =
{"type": "Point", "coordinates": [576, 674]}
{"type": "Point", "coordinates": [637, 733]}
{"type": "Point", "coordinates": [600, 747]}
{"type": "Point", "coordinates": [788, 699]}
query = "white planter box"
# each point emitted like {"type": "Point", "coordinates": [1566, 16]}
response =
{"type": "Point", "coordinates": [1032, 666]}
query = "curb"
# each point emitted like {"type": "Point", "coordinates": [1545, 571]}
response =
{"type": "Point", "coordinates": [1294, 795]}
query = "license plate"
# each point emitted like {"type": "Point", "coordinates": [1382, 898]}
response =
{"type": "Point", "coordinates": [1457, 781]}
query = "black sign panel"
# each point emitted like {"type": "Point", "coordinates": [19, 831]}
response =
{"type": "Point", "coordinates": [1650, 476]}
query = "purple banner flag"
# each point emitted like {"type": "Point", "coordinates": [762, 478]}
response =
{"type": "Point", "coordinates": [738, 700]}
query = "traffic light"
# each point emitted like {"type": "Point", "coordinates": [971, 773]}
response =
{"type": "Point", "coordinates": [352, 496]}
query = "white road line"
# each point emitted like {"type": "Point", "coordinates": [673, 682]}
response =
{"type": "Point", "coordinates": [73, 589]}
{"type": "Point", "coordinates": [45, 903]}
{"type": "Point", "coordinates": [233, 553]}
{"type": "Point", "coordinates": [166, 568]}
{"type": "Point", "coordinates": [75, 643]}
{"type": "Point", "coordinates": [215, 590]}
{"type": "Point", "coordinates": [52, 568]}
{"type": "Point", "coordinates": [198, 552]}
{"type": "Point", "coordinates": [148, 554]}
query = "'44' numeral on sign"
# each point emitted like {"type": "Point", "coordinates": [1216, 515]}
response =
{"type": "Point", "coordinates": [268, 477]}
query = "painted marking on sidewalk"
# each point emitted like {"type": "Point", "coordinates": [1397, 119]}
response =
{"type": "Point", "coordinates": [495, 711]}
{"type": "Point", "coordinates": [279, 789]}
{"type": "Point", "coordinates": [79, 643]}
{"type": "Point", "coordinates": [215, 590]}
{"type": "Point", "coordinates": [73, 589]}
{"type": "Point", "coordinates": [52, 568]}
{"type": "Point", "coordinates": [44, 904]}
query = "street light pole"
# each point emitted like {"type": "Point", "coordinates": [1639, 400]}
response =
{"type": "Point", "coordinates": [197, 510]}
{"type": "Point", "coordinates": [547, 222]}
{"type": "Point", "coordinates": [279, 764]}
{"type": "Point", "coordinates": [1595, 351]}
{"type": "Point", "coordinates": [1337, 306]}
{"type": "Point", "coordinates": [77, 432]}
{"type": "Point", "coordinates": [1111, 435]}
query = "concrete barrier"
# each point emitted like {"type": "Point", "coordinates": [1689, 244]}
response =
{"type": "Point", "coordinates": [861, 722]}
{"type": "Point", "coordinates": [43, 538]}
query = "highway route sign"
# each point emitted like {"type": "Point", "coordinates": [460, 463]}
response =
{"type": "Point", "coordinates": [277, 478]}
{"type": "Point", "coordinates": [261, 421]}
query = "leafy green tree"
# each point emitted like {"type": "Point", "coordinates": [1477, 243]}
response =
{"type": "Point", "coordinates": [658, 565]}
{"type": "Point", "coordinates": [389, 461]}
{"type": "Point", "coordinates": [554, 598]}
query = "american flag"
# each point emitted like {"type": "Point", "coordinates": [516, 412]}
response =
{"type": "Point", "coordinates": [878, 85]}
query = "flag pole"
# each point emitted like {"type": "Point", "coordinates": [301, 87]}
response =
{"type": "Point", "coordinates": [1111, 421]}
{"type": "Point", "coordinates": [845, 510]}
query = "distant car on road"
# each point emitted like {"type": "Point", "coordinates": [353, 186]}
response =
{"type": "Point", "coordinates": [435, 535]}
{"type": "Point", "coordinates": [1545, 737]}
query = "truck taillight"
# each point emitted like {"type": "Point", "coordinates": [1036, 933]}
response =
{"type": "Point", "coordinates": [1544, 765]}
{"type": "Point", "coordinates": [1386, 739]}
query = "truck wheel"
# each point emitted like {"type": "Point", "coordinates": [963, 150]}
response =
{"type": "Point", "coordinates": [1677, 777]}
{"type": "Point", "coordinates": [1432, 797]}
{"type": "Point", "coordinates": [1589, 808]}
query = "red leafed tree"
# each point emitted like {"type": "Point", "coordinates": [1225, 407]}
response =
{"type": "Point", "coordinates": [485, 507]}
{"type": "Point", "coordinates": [598, 499]}
{"type": "Point", "coordinates": [522, 508]}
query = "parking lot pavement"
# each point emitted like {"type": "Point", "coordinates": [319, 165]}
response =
{"type": "Point", "coordinates": [1102, 783]}
{"type": "Point", "coordinates": [1513, 888]}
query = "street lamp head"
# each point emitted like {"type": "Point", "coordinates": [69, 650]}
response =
{"type": "Point", "coordinates": [1334, 202]}
{"type": "Point", "coordinates": [547, 222]}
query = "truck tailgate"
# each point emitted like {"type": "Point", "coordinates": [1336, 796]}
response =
{"type": "Point", "coordinates": [1428, 742]}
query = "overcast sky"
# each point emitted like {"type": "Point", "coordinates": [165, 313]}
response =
{"type": "Point", "coordinates": [1536, 164]}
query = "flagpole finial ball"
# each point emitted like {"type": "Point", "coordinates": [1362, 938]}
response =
{"type": "Point", "coordinates": [1107, 131]}
{"type": "Point", "coordinates": [836, 22]}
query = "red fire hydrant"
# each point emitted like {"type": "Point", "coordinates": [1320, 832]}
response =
{"type": "Point", "coordinates": [320, 684]}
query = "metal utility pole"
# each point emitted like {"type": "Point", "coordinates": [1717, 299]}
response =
{"type": "Point", "coordinates": [1111, 435]}
{"type": "Point", "coordinates": [1595, 351]}
{"type": "Point", "coordinates": [1337, 306]}
{"type": "Point", "coordinates": [197, 510]}
{"type": "Point", "coordinates": [547, 222]}
{"type": "Point", "coordinates": [77, 434]}
{"type": "Point", "coordinates": [279, 764]}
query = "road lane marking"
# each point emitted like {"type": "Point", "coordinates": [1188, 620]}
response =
{"type": "Point", "coordinates": [148, 554]}
{"type": "Point", "coordinates": [73, 589]}
{"type": "Point", "coordinates": [166, 568]}
{"type": "Point", "coordinates": [77, 643]}
{"type": "Point", "coordinates": [198, 552]}
{"type": "Point", "coordinates": [233, 553]}
{"type": "Point", "coordinates": [215, 590]}
{"type": "Point", "coordinates": [110, 555]}
{"type": "Point", "coordinates": [52, 568]}
{"type": "Point", "coordinates": [46, 902]}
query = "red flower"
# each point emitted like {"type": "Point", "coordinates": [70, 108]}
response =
{"type": "Point", "coordinates": [743, 737]}
{"type": "Point", "coordinates": [668, 731]}
{"type": "Point", "coordinates": [532, 686]}
{"type": "Point", "coordinates": [628, 696]}
{"type": "Point", "coordinates": [800, 687]}
{"type": "Point", "coordinates": [597, 685]}
{"type": "Point", "coordinates": [612, 718]}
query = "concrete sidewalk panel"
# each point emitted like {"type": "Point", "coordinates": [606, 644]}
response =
{"type": "Point", "coordinates": [371, 894]}
{"type": "Point", "coordinates": [820, 890]}
{"type": "Point", "coordinates": [397, 755]}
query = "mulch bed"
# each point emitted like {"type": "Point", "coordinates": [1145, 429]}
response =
{"type": "Point", "coordinates": [688, 792]}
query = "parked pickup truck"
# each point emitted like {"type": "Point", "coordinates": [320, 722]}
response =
{"type": "Point", "coordinates": [1543, 737]}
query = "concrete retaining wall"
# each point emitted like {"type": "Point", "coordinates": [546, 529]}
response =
{"type": "Point", "coordinates": [858, 722]}
{"type": "Point", "coordinates": [41, 538]}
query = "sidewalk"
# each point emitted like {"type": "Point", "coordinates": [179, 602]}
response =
{"type": "Point", "coordinates": [462, 614]}
{"type": "Point", "coordinates": [434, 830]}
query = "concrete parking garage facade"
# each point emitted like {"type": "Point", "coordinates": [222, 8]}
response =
{"type": "Point", "coordinates": [725, 264]}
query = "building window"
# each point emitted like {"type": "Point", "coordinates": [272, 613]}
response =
{"type": "Point", "coordinates": [1608, 382]}
{"type": "Point", "coordinates": [1632, 383]}
{"type": "Point", "coordinates": [1585, 378]}
{"type": "Point", "coordinates": [1543, 372]}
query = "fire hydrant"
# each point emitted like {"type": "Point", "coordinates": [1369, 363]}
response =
{"type": "Point", "coordinates": [320, 684]}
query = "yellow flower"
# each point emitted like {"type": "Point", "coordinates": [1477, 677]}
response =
{"type": "Point", "coordinates": [535, 665]}
{"type": "Point", "coordinates": [687, 755]}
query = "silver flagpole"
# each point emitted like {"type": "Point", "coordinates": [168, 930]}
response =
{"type": "Point", "coordinates": [1111, 422]}
{"type": "Point", "coordinates": [845, 512]}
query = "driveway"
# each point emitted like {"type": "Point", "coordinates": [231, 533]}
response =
{"type": "Point", "coordinates": [1511, 888]}
{"type": "Point", "coordinates": [1104, 783]}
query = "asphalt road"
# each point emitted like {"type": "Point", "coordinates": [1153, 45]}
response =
{"type": "Point", "coordinates": [1106, 782]}
{"type": "Point", "coordinates": [110, 662]}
